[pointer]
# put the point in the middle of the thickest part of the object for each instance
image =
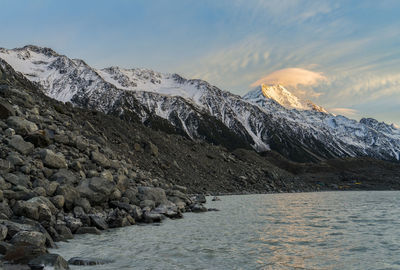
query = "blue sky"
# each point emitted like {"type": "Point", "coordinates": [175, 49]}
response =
{"type": "Point", "coordinates": [348, 51]}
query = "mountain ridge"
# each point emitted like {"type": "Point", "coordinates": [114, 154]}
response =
{"type": "Point", "coordinates": [194, 106]}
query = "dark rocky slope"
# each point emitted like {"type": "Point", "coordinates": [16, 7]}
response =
{"type": "Point", "coordinates": [65, 170]}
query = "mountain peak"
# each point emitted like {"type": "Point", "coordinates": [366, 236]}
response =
{"type": "Point", "coordinates": [282, 96]}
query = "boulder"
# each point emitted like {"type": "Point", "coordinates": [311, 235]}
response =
{"type": "Point", "coordinates": [118, 218]}
{"type": "Point", "coordinates": [5, 209]}
{"type": "Point", "coordinates": [23, 253]}
{"type": "Point", "coordinates": [9, 132]}
{"type": "Point", "coordinates": [200, 198]}
{"type": "Point", "coordinates": [84, 203]}
{"type": "Point", "coordinates": [96, 189]}
{"type": "Point", "coordinates": [54, 261]}
{"type": "Point", "coordinates": [150, 193]}
{"type": "Point", "coordinates": [147, 204]}
{"type": "Point", "coordinates": [5, 247]}
{"type": "Point", "coordinates": [6, 110]}
{"type": "Point", "coordinates": [21, 125]}
{"type": "Point", "coordinates": [53, 160]}
{"type": "Point", "coordinates": [29, 210]}
{"type": "Point", "coordinates": [136, 212]}
{"type": "Point", "coordinates": [168, 209]}
{"type": "Point", "coordinates": [197, 208]}
{"type": "Point", "coordinates": [131, 194]}
{"type": "Point", "coordinates": [18, 179]}
{"type": "Point", "coordinates": [73, 223]}
{"type": "Point", "coordinates": [100, 159]}
{"type": "Point", "coordinates": [70, 195]}
{"type": "Point", "coordinates": [51, 188]}
{"type": "Point", "coordinates": [44, 201]}
{"type": "Point", "coordinates": [99, 222]}
{"type": "Point", "coordinates": [15, 159]}
{"type": "Point", "coordinates": [150, 148]}
{"type": "Point", "coordinates": [38, 138]}
{"type": "Point", "coordinates": [30, 238]}
{"type": "Point", "coordinates": [64, 232]}
{"type": "Point", "coordinates": [87, 261]}
{"type": "Point", "coordinates": [64, 177]}
{"type": "Point", "coordinates": [5, 165]}
{"type": "Point", "coordinates": [3, 232]}
{"type": "Point", "coordinates": [58, 201]}
{"type": "Point", "coordinates": [150, 217]}
{"type": "Point", "coordinates": [18, 143]}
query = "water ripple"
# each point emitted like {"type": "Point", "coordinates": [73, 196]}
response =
{"type": "Point", "coordinates": [331, 230]}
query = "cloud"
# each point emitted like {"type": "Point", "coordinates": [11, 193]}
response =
{"type": "Point", "coordinates": [292, 77]}
{"type": "Point", "coordinates": [285, 12]}
{"type": "Point", "coordinates": [351, 113]}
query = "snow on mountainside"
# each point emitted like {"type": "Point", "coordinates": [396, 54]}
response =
{"type": "Point", "coordinates": [281, 95]}
{"type": "Point", "coordinates": [269, 117]}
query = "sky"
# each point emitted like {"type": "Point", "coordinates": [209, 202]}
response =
{"type": "Point", "coordinates": [343, 55]}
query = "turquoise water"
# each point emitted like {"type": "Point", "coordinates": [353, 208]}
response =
{"type": "Point", "coordinates": [329, 230]}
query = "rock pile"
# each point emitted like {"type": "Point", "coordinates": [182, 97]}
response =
{"type": "Point", "coordinates": [57, 180]}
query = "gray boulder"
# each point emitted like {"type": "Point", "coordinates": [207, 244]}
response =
{"type": "Point", "coordinates": [5, 209]}
{"type": "Point", "coordinates": [87, 261]}
{"type": "Point", "coordinates": [70, 195]}
{"type": "Point", "coordinates": [6, 110]}
{"type": "Point", "coordinates": [53, 160]}
{"type": "Point", "coordinates": [64, 177]}
{"type": "Point", "coordinates": [150, 193]}
{"type": "Point", "coordinates": [96, 189]}
{"type": "Point", "coordinates": [64, 232]}
{"type": "Point", "coordinates": [3, 232]}
{"type": "Point", "coordinates": [54, 261]}
{"type": "Point", "coordinates": [21, 125]}
{"type": "Point", "coordinates": [197, 208]}
{"type": "Point", "coordinates": [99, 222]}
{"type": "Point", "coordinates": [30, 238]}
{"type": "Point", "coordinates": [100, 159]}
{"type": "Point", "coordinates": [58, 201]}
{"type": "Point", "coordinates": [18, 143]}
{"type": "Point", "coordinates": [18, 179]}
{"type": "Point", "coordinates": [5, 165]}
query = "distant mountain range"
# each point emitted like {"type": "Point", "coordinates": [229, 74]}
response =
{"type": "Point", "coordinates": [266, 118]}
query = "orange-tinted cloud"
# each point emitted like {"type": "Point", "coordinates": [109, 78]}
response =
{"type": "Point", "coordinates": [292, 77]}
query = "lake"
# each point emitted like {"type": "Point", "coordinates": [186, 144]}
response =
{"type": "Point", "coordinates": [327, 230]}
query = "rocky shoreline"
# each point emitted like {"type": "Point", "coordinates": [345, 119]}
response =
{"type": "Point", "coordinates": [57, 180]}
{"type": "Point", "coordinates": [66, 171]}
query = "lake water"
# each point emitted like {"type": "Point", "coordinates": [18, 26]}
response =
{"type": "Point", "coordinates": [329, 230]}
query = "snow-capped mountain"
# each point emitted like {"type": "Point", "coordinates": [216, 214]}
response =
{"type": "Point", "coordinates": [268, 117]}
{"type": "Point", "coordinates": [281, 95]}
